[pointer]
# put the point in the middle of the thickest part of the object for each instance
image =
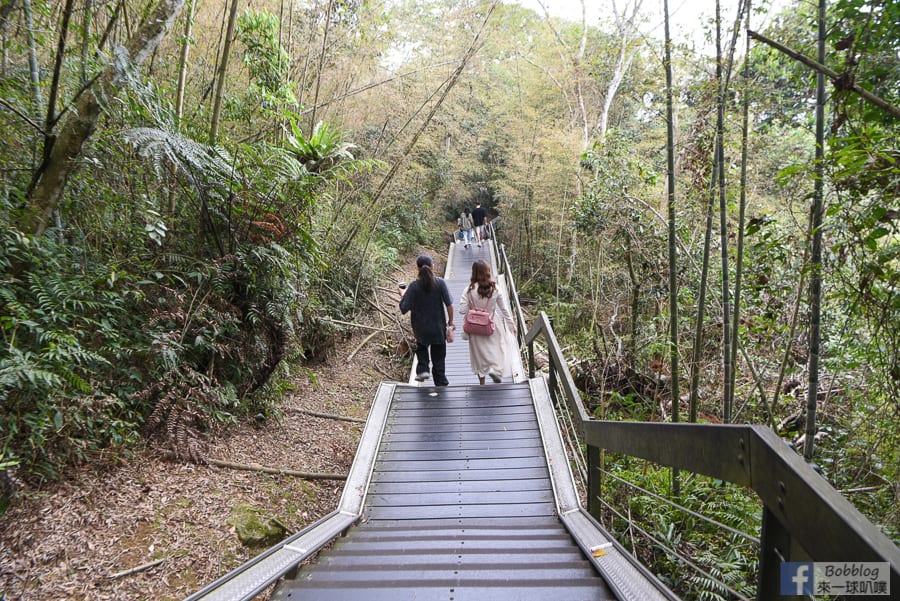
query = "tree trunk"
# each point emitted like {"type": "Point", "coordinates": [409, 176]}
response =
{"type": "Point", "coordinates": [815, 278]}
{"type": "Point", "coordinates": [723, 222]}
{"type": "Point", "coordinates": [86, 38]}
{"type": "Point", "coordinates": [312, 119]}
{"type": "Point", "coordinates": [220, 74]}
{"type": "Point", "coordinates": [623, 62]}
{"type": "Point", "coordinates": [183, 62]}
{"type": "Point", "coordinates": [673, 237]}
{"type": "Point", "coordinates": [50, 179]}
{"type": "Point", "coordinates": [739, 261]}
{"type": "Point", "coordinates": [33, 67]}
{"type": "Point", "coordinates": [577, 60]}
{"type": "Point", "coordinates": [6, 9]}
{"type": "Point", "coordinates": [701, 297]}
{"type": "Point", "coordinates": [57, 68]}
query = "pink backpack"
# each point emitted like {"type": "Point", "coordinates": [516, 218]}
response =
{"type": "Point", "coordinates": [478, 322]}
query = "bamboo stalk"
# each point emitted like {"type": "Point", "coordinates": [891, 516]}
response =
{"type": "Point", "coordinates": [355, 325]}
{"type": "Point", "coordinates": [363, 343]}
{"type": "Point", "coordinates": [836, 78]}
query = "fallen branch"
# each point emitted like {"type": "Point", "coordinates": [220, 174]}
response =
{"type": "Point", "coordinates": [255, 467]}
{"type": "Point", "coordinates": [326, 415]}
{"type": "Point", "coordinates": [136, 569]}
{"type": "Point", "coordinates": [382, 372]}
{"type": "Point", "coordinates": [392, 291]}
{"type": "Point", "coordinates": [362, 344]}
{"type": "Point", "coordinates": [393, 317]}
{"type": "Point", "coordinates": [355, 325]}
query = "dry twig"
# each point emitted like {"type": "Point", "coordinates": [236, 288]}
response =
{"type": "Point", "coordinates": [325, 415]}
{"type": "Point", "coordinates": [136, 569]}
{"type": "Point", "coordinates": [255, 467]}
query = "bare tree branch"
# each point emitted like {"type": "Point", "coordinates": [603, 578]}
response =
{"type": "Point", "coordinates": [837, 79]}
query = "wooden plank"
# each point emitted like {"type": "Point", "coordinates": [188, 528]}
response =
{"type": "Point", "coordinates": [462, 497]}
{"type": "Point", "coordinates": [504, 527]}
{"type": "Point", "coordinates": [461, 436]}
{"type": "Point", "coordinates": [440, 590]}
{"type": "Point", "coordinates": [456, 412]}
{"type": "Point", "coordinates": [502, 418]}
{"type": "Point", "coordinates": [458, 454]}
{"type": "Point", "coordinates": [444, 427]}
{"type": "Point", "coordinates": [388, 446]}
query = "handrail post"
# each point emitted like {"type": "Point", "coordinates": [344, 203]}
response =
{"type": "Point", "coordinates": [531, 363]}
{"type": "Point", "coordinates": [552, 384]}
{"type": "Point", "coordinates": [594, 481]}
{"type": "Point", "coordinates": [774, 547]}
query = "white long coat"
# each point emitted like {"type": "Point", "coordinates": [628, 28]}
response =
{"type": "Point", "coordinates": [488, 354]}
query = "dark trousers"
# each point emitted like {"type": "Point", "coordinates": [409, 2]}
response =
{"type": "Point", "coordinates": [438, 363]}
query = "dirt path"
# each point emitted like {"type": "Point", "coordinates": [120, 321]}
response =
{"type": "Point", "coordinates": [74, 539]}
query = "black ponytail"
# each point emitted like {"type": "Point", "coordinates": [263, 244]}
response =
{"type": "Point", "coordinates": [426, 277]}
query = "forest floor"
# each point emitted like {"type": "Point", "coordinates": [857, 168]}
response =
{"type": "Point", "coordinates": [77, 539]}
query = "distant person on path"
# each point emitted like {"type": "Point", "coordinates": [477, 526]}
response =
{"type": "Point", "coordinates": [478, 215]}
{"type": "Point", "coordinates": [426, 298]}
{"type": "Point", "coordinates": [487, 353]}
{"type": "Point", "coordinates": [465, 225]}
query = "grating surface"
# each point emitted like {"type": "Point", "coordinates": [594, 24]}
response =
{"type": "Point", "coordinates": [460, 505]}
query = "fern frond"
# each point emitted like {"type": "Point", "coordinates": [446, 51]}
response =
{"type": "Point", "coordinates": [199, 162]}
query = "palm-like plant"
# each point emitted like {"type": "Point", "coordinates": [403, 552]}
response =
{"type": "Point", "coordinates": [322, 151]}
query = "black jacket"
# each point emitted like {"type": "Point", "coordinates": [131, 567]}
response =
{"type": "Point", "coordinates": [428, 320]}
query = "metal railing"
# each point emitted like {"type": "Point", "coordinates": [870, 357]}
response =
{"type": "Point", "coordinates": [804, 517]}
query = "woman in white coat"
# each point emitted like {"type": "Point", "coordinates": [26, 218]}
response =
{"type": "Point", "coordinates": [487, 354]}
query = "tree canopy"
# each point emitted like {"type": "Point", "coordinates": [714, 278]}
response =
{"type": "Point", "coordinates": [193, 192]}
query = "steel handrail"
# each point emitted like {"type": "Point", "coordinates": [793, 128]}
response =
{"type": "Point", "coordinates": [805, 518]}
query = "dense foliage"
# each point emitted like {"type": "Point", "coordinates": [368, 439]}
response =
{"type": "Point", "coordinates": [161, 258]}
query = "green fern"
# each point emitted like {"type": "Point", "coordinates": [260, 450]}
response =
{"type": "Point", "coordinates": [165, 149]}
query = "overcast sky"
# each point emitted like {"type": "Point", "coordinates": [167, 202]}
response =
{"type": "Point", "coordinates": [687, 16]}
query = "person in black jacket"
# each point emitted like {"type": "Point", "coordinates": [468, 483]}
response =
{"type": "Point", "coordinates": [426, 298]}
{"type": "Point", "coordinates": [478, 215]}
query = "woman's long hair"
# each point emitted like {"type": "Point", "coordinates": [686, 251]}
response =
{"type": "Point", "coordinates": [481, 277]}
{"type": "Point", "coordinates": [426, 273]}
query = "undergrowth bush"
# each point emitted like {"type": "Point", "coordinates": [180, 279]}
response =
{"type": "Point", "coordinates": [65, 367]}
{"type": "Point", "coordinates": [163, 306]}
{"type": "Point", "coordinates": [721, 556]}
